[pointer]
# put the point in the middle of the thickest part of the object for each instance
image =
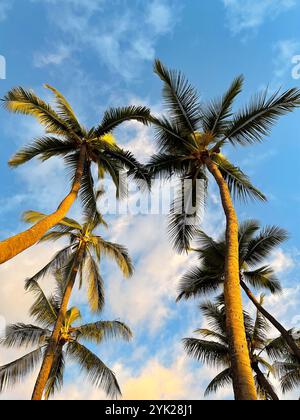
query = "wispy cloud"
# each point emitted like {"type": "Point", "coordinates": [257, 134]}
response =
{"type": "Point", "coordinates": [122, 40]}
{"type": "Point", "coordinates": [54, 58]}
{"type": "Point", "coordinates": [248, 15]}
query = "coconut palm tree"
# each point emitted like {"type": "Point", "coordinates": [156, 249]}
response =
{"type": "Point", "coordinates": [190, 143]}
{"type": "Point", "coordinates": [213, 349]}
{"type": "Point", "coordinates": [80, 147]}
{"type": "Point", "coordinates": [287, 365]}
{"type": "Point", "coordinates": [256, 245]}
{"type": "Point", "coordinates": [72, 335]}
{"type": "Point", "coordinates": [79, 259]}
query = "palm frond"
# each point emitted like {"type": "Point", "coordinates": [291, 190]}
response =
{"type": "Point", "coordinates": [198, 282]}
{"type": "Point", "coordinates": [262, 246]}
{"type": "Point", "coordinates": [127, 161]}
{"type": "Point", "coordinates": [104, 330]}
{"type": "Point", "coordinates": [118, 253]}
{"type": "Point", "coordinates": [15, 372]}
{"type": "Point", "coordinates": [66, 112]}
{"type": "Point", "coordinates": [186, 212]}
{"type": "Point", "coordinates": [43, 148]}
{"type": "Point", "coordinates": [263, 278]}
{"type": "Point", "coordinates": [42, 309]}
{"type": "Point", "coordinates": [166, 166]}
{"type": "Point", "coordinates": [95, 285]}
{"type": "Point", "coordinates": [22, 335]}
{"type": "Point", "coordinates": [218, 112]}
{"type": "Point", "coordinates": [239, 183]}
{"type": "Point", "coordinates": [60, 259]}
{"type": "Point", "coordinates": [210, 352]}
{"type": "Point", "coordinates": [97, 372]}
{"type": "Point", "coordinates": [220, 381]}
{"type": "Point", "coordinates": [181, 99]}
{"type": "Point", "coordinates": [116, 116]}
{"type": "Point", "coordinates": [26, 102]}
{"type": "Point", "coordinates": [169, 137]}
{"type": "Point", "coordinates": [256, 120]}
{"type": "Point", "coordinates": [35, 216]}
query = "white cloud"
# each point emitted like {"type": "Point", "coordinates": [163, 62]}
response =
{"type": "Point", "coordinates": [245, 15]}
{"type": "Point", "coordinates": [122, 42]}
{"type": "Point", "coordinates": [55, 58]}
{"type": "Point", "coordinates": [281, 262]}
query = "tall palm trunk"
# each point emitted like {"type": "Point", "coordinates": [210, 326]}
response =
{"type": "Point", "coordinates": [51, 349]}
{"type": "Point", "coordinates": [264, 383]}
{"type": "Point", "coordinates": [243, 381]}
{"type": "Point", "coordinates": [285, 334]}
{"type": "Point", "coordinates": [19, 243]}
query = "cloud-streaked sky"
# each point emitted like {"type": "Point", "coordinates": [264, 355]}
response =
{"type": "Point", "coordinates": [99, 53]}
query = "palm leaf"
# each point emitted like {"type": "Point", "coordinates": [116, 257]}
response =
{"type": "Point", "coordinates": [97, 372]}
{"type": "Point", "coordinates": [44, 148]}
{"type": "Point", "coordinates": [26, 102]}
{"type": "Point", "coordinates": [220, 381]}
{"type": "Point", "coordinates": [19, 335]}
{"type": "Point", "coordinates": [210, 352]}
{"type": "Point", "coordinates": [180, 98]}
{"type": "Point", "coordinates": [218, 112]}
{"type": "Point", "coordinates": [116, 116]}
{"type": "Point", "coordinates": [15, 372]}
{"type": "Point", "coordinates": [257, 119]}
{"type": "Point", "coordinates": [239, 184]}
{"type": "Point", "coordinates": [104, 330]}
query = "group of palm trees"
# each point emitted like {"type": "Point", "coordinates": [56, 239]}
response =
{"type": "Point", "coordinates": [190, 141]}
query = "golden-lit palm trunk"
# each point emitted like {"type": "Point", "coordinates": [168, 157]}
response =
{"type": "Point", "coordinates": [243, 381]}
{"type": "Point", "coordinates": [15, 245]}
{"type": "Point", "coordinates": [285, 334]}
{"type": "Point", "coordinates": [49, 357]}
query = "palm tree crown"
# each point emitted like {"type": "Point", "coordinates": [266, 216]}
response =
{"type": "Point", "coordinates": [194, 133]}
{"type": "Point", "coordinates": [256, 245]}
{"type": "Point", "coordinates": [66, 137]}
{"type": "Point", "coordinates": [45, 312]}
{"type": "Point", "coordinates": [216, 352]}
{"type": "Point", "coordinates": [82, 236]}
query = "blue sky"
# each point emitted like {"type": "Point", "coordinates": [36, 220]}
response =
{"type": "Point", "coordinates": [99, 53]}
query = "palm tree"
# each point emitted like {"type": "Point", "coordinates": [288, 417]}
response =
{"type": "Point", "coordinates": [287, 365]}
{"type": "Point", "coordinates": [45, 311]}
{"type": "Point", "coordinates": [216, 350]}
{"type": "Point", "coordinates": [255, 246]}
{"type": "Point", "coordinates": [80, 147]}
{"type": "Point", "coordinates": [190, 142]}
{"type": "Point", "coordinates": [79, 259]}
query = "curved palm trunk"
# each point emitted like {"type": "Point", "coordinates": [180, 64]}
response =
{"type": "Point", "coordinates": [285, 334]}
{"type": "Point", "coordinates": [243, 381]}
{"type": "Point", "coordinates": [15, 245]}
{"type": "Point", "coordinates": [45, 370]}
{"type": "Point", "coordinates": [264, 383]}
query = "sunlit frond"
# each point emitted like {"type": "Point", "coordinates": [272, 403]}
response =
{"type": "Point", "coordinates": [104, 330]}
